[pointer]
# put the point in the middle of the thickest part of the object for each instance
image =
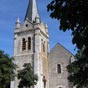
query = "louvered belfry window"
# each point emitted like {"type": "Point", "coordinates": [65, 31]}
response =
{"type": "Point", "coordinates": [29, 43]}
{"type": "Point", "coordinates": [23, 44]}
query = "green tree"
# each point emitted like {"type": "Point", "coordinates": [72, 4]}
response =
{"type": "Point", "coordinates": [6, 70]}
{"type": "Point", "coordinates": [27, 77]}
{"type": "Point", "coordinates": [73, 15]}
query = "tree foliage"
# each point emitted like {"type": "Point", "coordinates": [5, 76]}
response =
{"type": "Point", "coordinates": [6, 70]}
{"type": "Point", "coordinates": [79, 70]}
{"type": "Point", "coordinates": [73, 15]}
{"type": "Point", "coordinates": [26, 76]}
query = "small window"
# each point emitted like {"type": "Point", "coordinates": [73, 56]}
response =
{"type": "Point", "coordinates": [43, 47]}
{"type": "Point", "coordinates": [26, 25]}
{"type": "Point", "coordinates": [23, 44]}
{"type": "Point", "coordinates": [29, 43]}
{"type": "Point", "coordinates": [58, 68]}
{"type": "Point", "coordinates": [60, 86]}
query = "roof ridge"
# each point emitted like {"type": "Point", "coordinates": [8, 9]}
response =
{"type": "Point", "coordinates": [61, 46]}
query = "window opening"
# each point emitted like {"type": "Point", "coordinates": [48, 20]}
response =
{"type": "Point", "coordinates": [26, 25]}
{"type": "Point", "coordinates": [43, 47]}
{"type": "Point", "coordinates": [29, 43]}
{"type": "Point", "coordinates": [58, 68]}
{"type": "Point", "coordinates": [23, 44]}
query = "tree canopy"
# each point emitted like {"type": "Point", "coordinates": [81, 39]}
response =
{"type": "Point", "coordinates": [73, 15]}
{"type": "Point", "coordinates": [26, 76]}
{"type": "Point", "coordinates": [6, 70]}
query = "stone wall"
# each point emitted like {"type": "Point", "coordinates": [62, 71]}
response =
{"type": "Point", "coordinates": [58, 55]}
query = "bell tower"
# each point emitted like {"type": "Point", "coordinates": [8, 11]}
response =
{"type": "Point", "coordinates": [31, 45]}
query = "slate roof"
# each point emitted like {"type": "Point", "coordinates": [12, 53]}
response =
{"type": "Point", "coordinates": [32, 11]}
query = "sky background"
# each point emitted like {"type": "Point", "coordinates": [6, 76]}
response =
{"type": "Point", "coordinates": [10, 10]}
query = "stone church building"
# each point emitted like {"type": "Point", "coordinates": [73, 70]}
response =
{"type": "Point", "coordinates": [31, 45]}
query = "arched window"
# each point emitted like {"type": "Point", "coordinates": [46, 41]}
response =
{"type": "Point", "coordinates": [43, 47]}
{"type": "Point", "coordinates": [29, 43]}
{"type": "Point", "coordinates": [23, 44]}
{"type": "Point", "coordinates": [60, 86]}
{"type": "Point", "coordinates": [58, 68]}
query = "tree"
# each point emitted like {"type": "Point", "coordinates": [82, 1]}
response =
{"type": "Point", "coordinates": [6, 70]}
{"type": "Point", "coordinates": [26, 76]}
{"type": "Point", "coordinates": [73, 15]}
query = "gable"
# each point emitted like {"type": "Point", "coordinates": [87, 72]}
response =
{"type": "Point", "coordinates": [58, 59]}
{"type": "Point", "coordinates": [60, 51]}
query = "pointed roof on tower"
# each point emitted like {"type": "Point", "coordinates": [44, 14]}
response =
{"type": "Point", "coordinates": [32, 11]}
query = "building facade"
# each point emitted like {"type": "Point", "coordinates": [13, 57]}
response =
{"type": "Point", "coordinates": [31, 45]}
{"type": "Point", "coordinates": [58, 60]}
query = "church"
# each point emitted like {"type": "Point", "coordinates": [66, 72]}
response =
{"type": "Point", "coordinates": [31, 45]}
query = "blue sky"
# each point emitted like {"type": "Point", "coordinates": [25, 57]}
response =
{"type": "Point", "coordinates": [10, 10]}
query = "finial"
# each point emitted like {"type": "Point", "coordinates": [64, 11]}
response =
{"type": "Point", "coordinates": [46, 26]}
{"type": "Point", "coordinates": [37, 19]}
{"type": "Point", "coordinates": [18, 23]}
{"type": "Point", "coordinates": [18, 20]}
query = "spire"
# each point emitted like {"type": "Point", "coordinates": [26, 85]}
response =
{"type": "Point", "coordinates": [32, 11]}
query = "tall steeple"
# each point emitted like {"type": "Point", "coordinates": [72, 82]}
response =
{"type": "Point", "coordinates": [32, 11]}
{"type": "Point", "coordinates": [31, 43]}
